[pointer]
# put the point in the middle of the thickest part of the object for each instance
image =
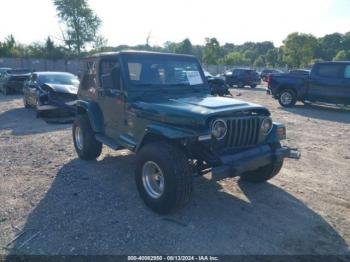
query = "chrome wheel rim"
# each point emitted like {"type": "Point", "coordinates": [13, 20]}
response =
{"type": "Point", "coordinates": [78, 138]}
{"type": "Point", "coordinates": [153, 179]}
{"type": "Point", "coordinates": [286, 98]}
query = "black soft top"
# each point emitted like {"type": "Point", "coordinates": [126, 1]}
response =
{"type": "Point", "coordinates": [131, 53]}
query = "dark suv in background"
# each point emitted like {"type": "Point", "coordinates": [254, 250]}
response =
{"type": "Point", "coordinates": [242, 78]}
{"type": "Point", "coordinates": [266, 72]}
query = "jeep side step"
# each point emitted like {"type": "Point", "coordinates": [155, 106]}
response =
{"type": "Point", "coordinates": [108, 141]}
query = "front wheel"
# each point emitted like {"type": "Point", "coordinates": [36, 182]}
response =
{"type": "Point", "coordinates": [85, 143]}
{"type": "Point", "coordinates": [287, 98]}
{"type": "Point", "coordinates": [25, 102]}
{"type": "Point", "coordinates": [163, 177]}
{"type": "Point", "coordinates": [253, 86]}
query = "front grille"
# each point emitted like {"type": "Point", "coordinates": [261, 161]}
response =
{"type": "Point", "coordinates": [63, 97]}
{"type": "Point", "coordinates": [242, 132]}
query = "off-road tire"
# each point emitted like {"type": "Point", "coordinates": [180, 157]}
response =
{"type": "Point", "coordinates": [264, 173]}
{"type": "Point", "coordinates": [289, 92]}
{"type": "Point", "coordinates": [25, 103]}
{"type": "Point", "coordinates": [174, 165]}
{"type": "Point", "coordinates": [91, 148]}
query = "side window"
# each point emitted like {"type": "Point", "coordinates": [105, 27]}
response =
{"type": "Point", "coordinates": [88, 78]}
{"type": "Point", "coordinates": [109, 74]}
{"type": "Point", "coordinates": [347, 72]}
{"type": "Point", "coordinates": [134, 71]}
{"type": "Point", "coordinates": [330, 71]}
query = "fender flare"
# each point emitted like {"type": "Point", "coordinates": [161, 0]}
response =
{"type": "Point", "coordinates": [155, 132]}
{"type": "Point", "coordinates": [94, 113]}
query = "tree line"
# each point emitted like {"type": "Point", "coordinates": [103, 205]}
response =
{"type": "Point", "coordinates": [80, 37]}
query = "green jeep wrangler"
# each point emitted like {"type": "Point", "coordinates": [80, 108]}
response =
{"type": "Point", "coordinates": [159, 106]}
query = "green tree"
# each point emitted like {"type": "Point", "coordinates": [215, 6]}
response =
{"type": "Point", "coordinates": [81, 23]}
{"type": "Point", "coordinates": [211, 53]}
{"type": "Point", "coordinates": [263, 47]}
{"type": "Point", "coordinates": [346, 41]}
{"type": "Point", "coordinates": [341, 56]}
{"type": "Point", "coordinates": [250, 55]}
{"type": "Point", "coordinates": [50, 49]}
{"type": "Point", "coordinates": [329, 46]}
{"type": "Point", "coordinates": [8, 47]}
{"type": "Point", "coordinates": [184, 47]}
{"type": "Point", "coordinates": [271, 57]}
{"type": "Point", "coordinates": [235, 59]}
{"type": "Point", "coordinates": [299, 49]}
{"type": "Point", "coordinates": [260, 61]}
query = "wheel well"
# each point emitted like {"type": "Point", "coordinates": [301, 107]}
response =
{"type": "Point", "coordinates": [282, 88]}
{"type": "Point", "coordinates": [151, 138]}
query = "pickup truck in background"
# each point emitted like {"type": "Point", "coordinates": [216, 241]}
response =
{"type": "Point", "coordinates": [328, 82]}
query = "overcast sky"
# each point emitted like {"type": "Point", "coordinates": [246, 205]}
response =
{"type": "Point", "coordinates": [234, 21]}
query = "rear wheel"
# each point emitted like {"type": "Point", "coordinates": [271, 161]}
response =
{"type": "Point", "coordinates": [163, 177]}
{"type": "Point", "coordinates": [287, 98]}
{"type": "Point", "coordinates": [85, 143]}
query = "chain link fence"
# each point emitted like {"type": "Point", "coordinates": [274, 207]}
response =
{"type": "Point", "coordinates": [72, 66]}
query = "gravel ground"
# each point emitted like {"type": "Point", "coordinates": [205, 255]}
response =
{"type": "Point", "coordinates": [54, 203]}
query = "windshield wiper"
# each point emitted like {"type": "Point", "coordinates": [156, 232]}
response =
{"type": "Point", "coordinates": [148, 84]}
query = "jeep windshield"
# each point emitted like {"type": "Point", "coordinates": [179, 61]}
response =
{"type": "Point", "coordinates": [164, 72]}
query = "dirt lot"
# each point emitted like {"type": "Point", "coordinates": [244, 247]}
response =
{"type": "Point", "coordinates": [54, 203]}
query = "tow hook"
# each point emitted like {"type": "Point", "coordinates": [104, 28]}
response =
{"type": "Point", "coordinates": [294, 153]}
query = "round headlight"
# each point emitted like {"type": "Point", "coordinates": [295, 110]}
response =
{"type": "Point", "coordinates": [219, 129]}
{"type": "Point", "coordinates": [266, 125]}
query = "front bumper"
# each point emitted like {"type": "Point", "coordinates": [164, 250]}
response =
{"type": "Point", "coordinates": [47, 102]}
{"type": "Point", "coordinates": [57, 106]}
{"type": "Point", "coordinates": [252, 159]}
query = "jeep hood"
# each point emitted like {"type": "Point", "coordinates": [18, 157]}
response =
{"type": "Point", "coordinates": [70, 89]}
{"type": "Point", "coordinates": [194, 110]}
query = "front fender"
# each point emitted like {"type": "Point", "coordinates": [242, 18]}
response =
{"type": "Point", "coordinates": [94, 113]}
{"type": "Point", "coordinates": [162, 131]}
